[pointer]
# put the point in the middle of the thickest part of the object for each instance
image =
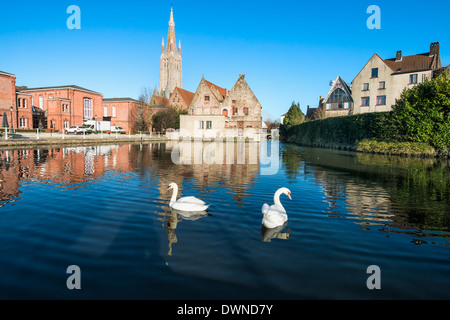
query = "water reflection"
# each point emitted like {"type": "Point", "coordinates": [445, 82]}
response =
{"type": "Point", "coordinates": [267, 235]}
{"type": "Point", "coordinates": [171, 218]}
{"type": "Point", "coordinates": [407, 194]}
{"type": "Point", "coordinates": [403, 194]}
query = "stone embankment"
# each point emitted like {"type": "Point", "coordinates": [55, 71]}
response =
{"type": "Point", "coordinates": [25, 140]}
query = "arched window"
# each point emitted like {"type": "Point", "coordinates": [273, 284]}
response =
{"type": "Point", "coordinates": [338, 95]}
{"type": "Point", "coordinates": [225, 112]}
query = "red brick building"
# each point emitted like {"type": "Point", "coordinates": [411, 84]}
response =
{"type": "Point", "coordinates": [64, 106]}
{"type": "Point", "coordinates": [7, 95]}
{"type": "Point", "coordinates": [61, 107]}
{"type": "Point", "coordinates": [125, 112]}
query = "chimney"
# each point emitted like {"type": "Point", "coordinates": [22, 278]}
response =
{"type": "Point", "coordinates": [398, 57]}
{"type": "Point", "coordinates": [434, 48]}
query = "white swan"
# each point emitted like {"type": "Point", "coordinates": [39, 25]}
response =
{"type": "Point", "coordinates": [275, 215]}
{"type": "Point", "coordinates": [186, 204]}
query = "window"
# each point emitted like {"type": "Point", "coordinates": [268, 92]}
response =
{"type": "Point", "coordinates": [328, 106]}
{"type": "Point", "coordinates": [50, 96]}
{"type": "Point", "coordinates": [375, 73]}
{"type": "Point", "coordinates": [340, 105]}
{"type": "Point", "coordinates": [424, 78]}
{"type": "Point", "coordinates": [21, 103]}
{"type": "Point", "coordinates": [23, 122]}
{"type": "Point", "coordinates": [337, 96]}
{"type": "Point", "coordinates": [246, 111]}
{"type": "Point", "coordinates": [105, 111]}
{"type": "Point", "coordinates": [225, 112]}
{"type": "Point", "coordinates": [413, 79]}
{"type": "Point", "coordinates": [208, 124]}
{"type": "Point", "coordinates": [382, 85]}
{"type": "Point", "coordinates": [114, 111]}
{"type": "Point", "coordinates": [365, 101]}
{"type": "Point", "coordinates": [66, 124]}
{"type": "Point", "coordinates": [206, 98]}
{"type": "Point", "coordinates": [41, 102]}
{"type": "Point", "coordinates": [87, 108]}
{"type": "Point", "coordinates": [365, 86]}
{"type": "Point", "coordinates": [202, 124]}
{"type": "Point", "coordinates": [235, 111]}
{"type": "Point", "coordinates": [381, 100]}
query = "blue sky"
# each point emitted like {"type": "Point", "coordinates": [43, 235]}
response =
{"type": "Point", "coordinates": [288, 50]}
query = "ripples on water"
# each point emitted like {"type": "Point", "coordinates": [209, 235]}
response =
{"type": "Point", "coordinates": [105, 209]}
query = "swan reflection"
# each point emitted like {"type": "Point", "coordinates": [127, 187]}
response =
{"type": "Point", "coordinates": [172, 217]}
{"type": "Point", "coordinates": [275, 233]}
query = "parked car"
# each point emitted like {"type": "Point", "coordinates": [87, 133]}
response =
{"type": "Point", "coordinates": [117, 129]}
{"type": "Point", "coordinates": [77, 130]}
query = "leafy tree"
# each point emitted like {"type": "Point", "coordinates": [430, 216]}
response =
{"type": "Point", "coordinates": [422, 113]}
{"type": "Point", "coordinates": [294, 116]}
{"type": "Point", "coordinates": [166, 119]}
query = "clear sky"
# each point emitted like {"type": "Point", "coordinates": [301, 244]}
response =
{"type": "Point", "coordinates": [289, 50]}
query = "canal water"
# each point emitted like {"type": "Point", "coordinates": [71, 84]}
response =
{"type": "Point", "coordinates": [104, 209]}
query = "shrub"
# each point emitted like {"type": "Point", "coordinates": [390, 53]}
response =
{"type": "Point", "coordinates": [422, 113]}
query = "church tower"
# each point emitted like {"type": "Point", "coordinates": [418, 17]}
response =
{"type": "Point", "coordinates": [170, 71]}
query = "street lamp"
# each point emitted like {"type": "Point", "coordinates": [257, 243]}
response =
{"type": "Point", "coordinates": [12, 123]}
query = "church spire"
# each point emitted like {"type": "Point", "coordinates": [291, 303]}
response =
{"type": "Point", "coordinates": [171, 41]}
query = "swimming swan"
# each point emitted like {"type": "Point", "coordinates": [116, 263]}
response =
{"type": "Point", "coordinates": [186, 204]}
{"type": "Point", "coordinates": [275, 215]}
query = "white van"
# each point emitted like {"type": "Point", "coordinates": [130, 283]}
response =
{"type": "Point", "coordinates": [117, 129]}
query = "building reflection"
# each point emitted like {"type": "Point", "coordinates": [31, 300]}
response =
{"type": "Point", "coordinates": [236, 166]}
{"type": "Point", "coordinates": [372, 189]}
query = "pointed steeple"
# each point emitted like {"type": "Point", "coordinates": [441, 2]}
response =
{"type": "Point", "coordinates": [171, 41]}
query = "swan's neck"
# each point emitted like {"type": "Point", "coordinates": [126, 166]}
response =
{"type": "Point", "coordinates": [174, 195]}
{"type": "Point", "coordinates": [276, 198]}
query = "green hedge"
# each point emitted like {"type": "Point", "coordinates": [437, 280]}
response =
{"type": "Point", "coordinates": [347, 130]}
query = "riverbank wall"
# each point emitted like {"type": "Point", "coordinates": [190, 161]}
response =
{"type": "Point", "coordinates": [368, 133]}
{"type": "Point", "coordinates": [27, 140]}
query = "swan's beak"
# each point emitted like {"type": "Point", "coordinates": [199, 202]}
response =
{"type": "Point", "coordinates": [289, 195]}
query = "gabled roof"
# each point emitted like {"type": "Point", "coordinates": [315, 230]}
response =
{"type": "Point", "coordinates": [341, 84]}
{"type": "Point", "coordinates": [158, 101]}
{"type": "Point", "coordinates": [186, 95]}
{"type": "Point", "coordinates": [221, 90]}
{"type": "Point", "coordinates": [416, 62]}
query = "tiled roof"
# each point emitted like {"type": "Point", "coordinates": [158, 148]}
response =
{"type": "Point", "coordinates": [120, 100]}
{"type": "Point", "coordinates": [187, 95]}
{"type": "Point", "coordinates": [222, 91]}
{"type": "Point", "coordinates": [160, 102]}
{"type": "Point", "coordinates": [60, 87]}
{"type": "Point", "coordinates": [411, 63]}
